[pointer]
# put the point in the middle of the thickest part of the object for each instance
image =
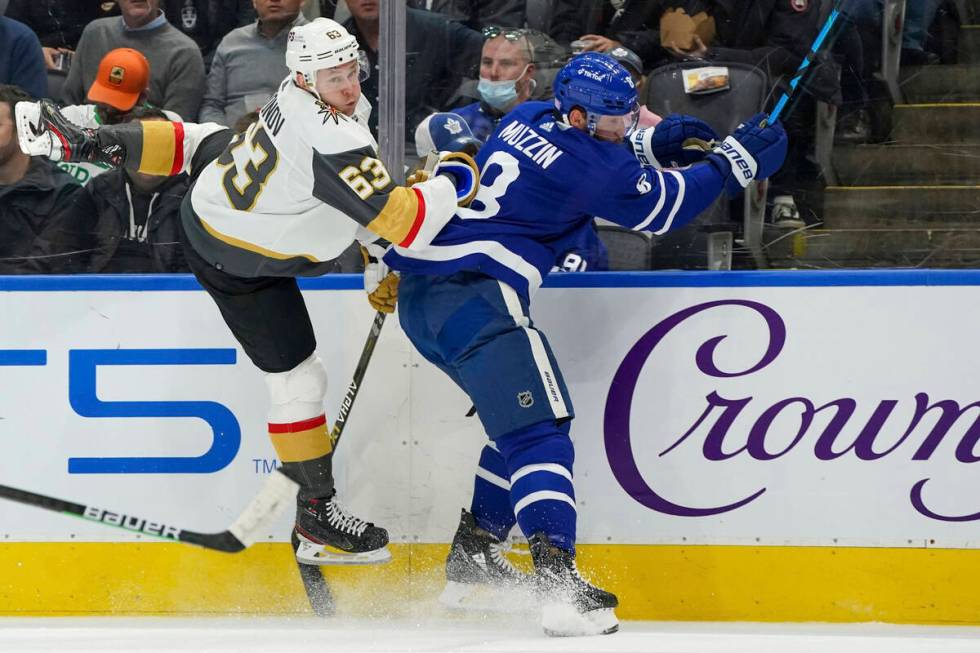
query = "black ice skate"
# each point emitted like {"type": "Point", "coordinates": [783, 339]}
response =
{"type": "Point", "coordinates": [479, 576]}
{"type": "Point", "coordinates": [571, 605]}
{"type": "Point", "coordinates": [326, 534]}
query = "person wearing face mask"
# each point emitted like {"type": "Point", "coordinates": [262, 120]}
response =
{"type": "Point", "coordinates": [465, 302]}
{"type": "Point", "coordinates": [506, 79]}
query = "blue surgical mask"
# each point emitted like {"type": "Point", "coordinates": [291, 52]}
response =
{"type": "Point", "coordinates": [500, 94]}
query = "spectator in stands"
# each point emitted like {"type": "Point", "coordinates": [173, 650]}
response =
{"type": "Point", "coordinates": [478, 14]}
{"type": "Point", "coordinates": [437, 54]}
{"type": "Point", "coordinates": [177, 70]}
{"type": "Point", "coordinates": [857, 50]}
{"type": "Point", "coordinates": [250, 63]}
{"type": "Point", "coordinates": [601, 25]}
{"type": "Point", "coordinates": [506, 79]}
{"type": "Point", "coordinates": [919, 15]}
{"type": "Point", "coordinates": [44, 215]}
{"type": "Point", "coordinates": [120, 87]}
{"type": "Point", "coordinates": [138, 225]}
{"type": "Point", "coordinates": [206, 22]}
{"type": "Point", "coordinates": [21, 58]}
{"type": "Point", "coordinates": [773, 36]}
{"type": "Point", "coordinates": [59, 24]}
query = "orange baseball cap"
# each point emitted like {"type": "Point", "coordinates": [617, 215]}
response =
{"type": "Point", "coordinates": [123, 75]}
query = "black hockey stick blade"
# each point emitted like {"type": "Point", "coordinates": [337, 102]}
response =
{"type": "Point", "coordinates": [355, 384]}
{"type": "Point", "coordinates": [277, 492]}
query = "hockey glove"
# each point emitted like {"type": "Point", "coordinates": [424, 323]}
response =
{"type": "Point", "coordinates": [677, 141]}
{"type": "Point", "coordinates": [43, 131]}
{"type": "Point", "coordinates": [463, 172]}
{"type": "Point", "coordinates": [380, 283]}
{"type": "Point", "coordinates": [752, 152]}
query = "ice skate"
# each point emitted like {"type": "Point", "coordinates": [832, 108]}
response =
{"type": "Point", "coordinates": [326, 534]}
{"type": "Point", "coordinates": [479, 576]}
{"type": "Point", "coordinates": [571, 605]}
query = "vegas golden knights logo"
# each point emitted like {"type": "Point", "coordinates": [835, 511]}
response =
{"type": "Point", "coordinates": [116, 75]}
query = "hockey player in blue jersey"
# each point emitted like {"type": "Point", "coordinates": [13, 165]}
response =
{"type": "Point", "coordinates": [465, 304]}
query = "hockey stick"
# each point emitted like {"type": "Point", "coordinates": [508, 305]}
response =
{"type": "Point", "coordinates": [818, 43]}
{"type": "Point", "coordinates": [355, 384]}
{"type": "Point", "coordinates": [277, 491]}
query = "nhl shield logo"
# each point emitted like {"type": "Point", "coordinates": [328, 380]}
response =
{"type": "Point", "coordinates": [525, 399]}
{"type": "Point", "coordinates": [116, 75]}
{"type": "Point", "coordinates": [799, 5]}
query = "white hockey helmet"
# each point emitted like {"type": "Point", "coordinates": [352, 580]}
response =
{"type": "Point", "coordinates": [319, 44]}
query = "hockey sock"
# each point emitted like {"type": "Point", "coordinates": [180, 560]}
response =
{"type": "Point", "coordinates": [491, 506]}
{"type": "Point", "coordinates": [298, 427]}
{"type": "Point", "coordinates": [304, 449]}
{"type": "Point", "coordinates": [539, 462]}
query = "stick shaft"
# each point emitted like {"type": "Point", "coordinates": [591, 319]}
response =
{"type": "Point", "coordinates": [355, 384]}
{"type": "Point", "coordinates": [818, 43]}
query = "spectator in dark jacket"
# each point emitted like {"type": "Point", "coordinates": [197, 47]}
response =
{"type": "Point", "coordinates": [603, 25]}
{"type": "Point", "coordinates": [438, 52]}
{"type": "Point", "coordinates": [45, 216]}
{"type": "Point", "coordinates": [772, 34]}
{"type": "Point", "coordinates": [21, 58]}
{"type": "Point", "coordinates": [138, 224]}
{"type": "Point", "coordinates": [477, 14]}
{"type": "Point", "coordinates": [59, 24]}
{"type": "Point", "coordinates": [205, 21]}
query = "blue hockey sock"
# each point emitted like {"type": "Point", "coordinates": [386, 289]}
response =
{"type": "Point", "coordinates": [539, 462]}
{"type": "Point", "coordinates": [491, 494]}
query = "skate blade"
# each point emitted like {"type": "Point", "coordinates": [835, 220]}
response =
{"type": "Point", "coordinates": [311, 553]}
{"type": "Point", "coordinates": [563, 620]}
{"type": "Point", "coordinates": [481, 597]}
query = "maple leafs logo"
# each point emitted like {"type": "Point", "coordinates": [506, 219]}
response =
{"type": "Point", "coordinates": [453, 126]}
{"type": "Point", "coordinates": [330, 113]}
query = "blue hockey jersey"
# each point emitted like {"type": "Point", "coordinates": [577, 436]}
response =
{"type": "Point", "coordinates": [541, 184]}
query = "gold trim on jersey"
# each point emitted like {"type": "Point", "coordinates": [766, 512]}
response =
{"type": "Point", "coordinates": [252, 247]}
{"type": "Point", "coordinates": [159, 145]}
{"type": "Point", "coordinates": [395, 221]}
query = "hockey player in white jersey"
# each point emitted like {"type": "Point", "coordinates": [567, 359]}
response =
{"type": "Point", "coordinates": [279, 201]}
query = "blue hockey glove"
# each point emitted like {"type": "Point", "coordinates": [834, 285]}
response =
{"type": "Point", "coordinates": [464, 173]}
{"type": "Point", "coordinates": [677, 141]}
{"type": "Point", "coordinates": [752, 152]}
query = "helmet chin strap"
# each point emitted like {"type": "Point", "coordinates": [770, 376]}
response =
{"type": "Point", "coordinates": [309, 86]}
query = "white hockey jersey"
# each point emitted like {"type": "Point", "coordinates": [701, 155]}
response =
{"type": "Point", "coordinates": [295, 190]}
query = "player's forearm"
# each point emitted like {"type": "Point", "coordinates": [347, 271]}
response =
{"type": "Point", "coordinates": [157, 147]}
{"type": "Point", "coordinates": [676, 197]}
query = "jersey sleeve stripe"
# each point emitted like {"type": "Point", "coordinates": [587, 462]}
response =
{"type": "Point", "coordinates": [660, 203]}
{"type": "Point", "coordinates": [159, 147]}
{"type": "Point", "coordinates": [399, 220]}
{"type": "Point", "coordinates": [178, 149]}
{"type": "Point", "coordinates": [419, 219]}
{"type": "Point", "coordinates": [678, 201]}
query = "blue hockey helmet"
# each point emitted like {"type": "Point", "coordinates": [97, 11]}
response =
{"type": "Point", "coordinates": [600, 86]}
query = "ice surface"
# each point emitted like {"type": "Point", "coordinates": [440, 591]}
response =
{"type": "Point", "coordinates": [309, 635]}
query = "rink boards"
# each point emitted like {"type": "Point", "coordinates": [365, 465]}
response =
{"type": "Point", "coordinates": [753, 446]}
